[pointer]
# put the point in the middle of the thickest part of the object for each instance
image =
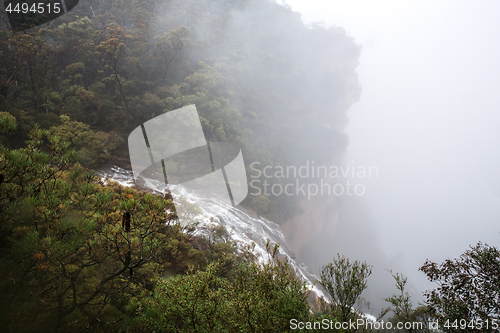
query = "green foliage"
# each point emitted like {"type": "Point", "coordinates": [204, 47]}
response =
{"type": "Point", "coordinates": [404, 312]}
{"type": "Point", "coordinates": [257, 297]}
{"type": "Point", "coordinates": [66, 259]}
{"type": "Point", "coordinates": [468, 289]}
{"type": "Point", "coordinates": [344, 281]}
{"type": "Point", "coordinates": [261, 204]}
{"type": "Point", "coordinates": [270, 294]}
{"type": "Point", "coordinates": [90, 146]}
{"type": "Point", "coordinates": [401, 303]}
{"type": "Point", "coordinates": [8, 123]}
{"type": "Point", "coordinates": [196, 302]}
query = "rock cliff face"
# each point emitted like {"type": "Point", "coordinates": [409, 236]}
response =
{"type": "Point", "coordinates": [318, 221]}
{"type": "Point", "coordinates": [317, 225]}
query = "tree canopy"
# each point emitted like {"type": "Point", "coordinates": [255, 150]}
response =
{"type": "Point", "coordinates": [468, 295]}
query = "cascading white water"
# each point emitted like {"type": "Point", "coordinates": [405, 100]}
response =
{"type": "Point", "coordinates": [242, 227]}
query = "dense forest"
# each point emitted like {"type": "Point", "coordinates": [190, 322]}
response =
{"type": "Point", "coordinates": [258, 76]}
{"type": "Point", "coordinates": [78, 254]}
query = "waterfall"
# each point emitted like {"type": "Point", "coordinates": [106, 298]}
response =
{"type": "Point", "coordinates": [242, 227]}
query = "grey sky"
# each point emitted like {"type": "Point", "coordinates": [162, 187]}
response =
{"type": "Point", "coordinates": [428, 118]}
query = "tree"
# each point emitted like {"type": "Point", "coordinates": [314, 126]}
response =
{"type": "Point", "coordinates": [254, 297]}
{"type": "Point", "coordinates": [112, 52]}
{"type": "Point", "coordinates": [268, 295]}
{"type": "Point", "coordinates": [8, 123]}
{"type": "Point", "coordinates": [90, 146]}
{"type": "Point", "coordinates": [418, 319]}
{"type": "Point", "coordinates": [196, 302]}
{"type": "Point", "coordinates": [401, 303]}
{"type": "Point", "coordinates": [170, 47]}
{"type": "Point", "coordinates": [468, 290]}
{"type": "Point", "coordinates": [344, 281]}
{"type": "Point", "coordinates": [67, 261]}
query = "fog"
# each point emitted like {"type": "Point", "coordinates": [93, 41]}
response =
{"type": "Point", "coordinates": [428, 118]}
{"type": "Point", "coordinates": [397, 99]}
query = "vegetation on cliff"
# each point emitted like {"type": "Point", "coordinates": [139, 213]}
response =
{"type": "Point", "coordinates": [258, 76]}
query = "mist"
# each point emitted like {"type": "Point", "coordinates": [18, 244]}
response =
{"type": "Point", "coordinates": [396, 101]}
{"type": "Point", "coordinates": [428, 118]}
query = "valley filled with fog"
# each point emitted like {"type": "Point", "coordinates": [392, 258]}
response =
{"type": "Point", "coordinates": [428, 118]}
